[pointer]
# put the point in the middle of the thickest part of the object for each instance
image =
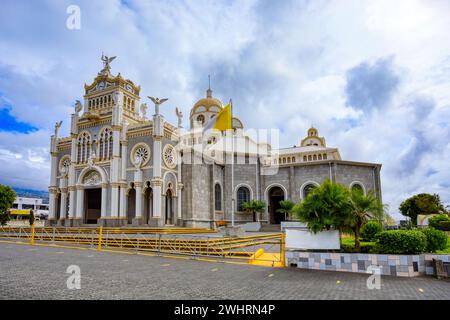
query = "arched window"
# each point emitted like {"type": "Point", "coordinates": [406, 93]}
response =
{"type": "Point", "coordinates": [83, 147]}
{"type": "Point", "coordinates": [105, 144]}
{"type": "Point", "coordinates": [217, 197]}
{"type": "Point", "coordinates": [243, 195]}
{"type": "Point", "coordinates": [201, 119]}
{"type": "Point", "coordinates": [308, 189]}
{"type": "Point", "coordinates": [357, 187]}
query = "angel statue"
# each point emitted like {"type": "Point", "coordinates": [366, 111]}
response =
{"type": "Point", "coordinates": [78, 106]}
{"type": "Point", "coordinates": [137, 161]}
{"type": "Point", "coordinates": [180, 117]}
{"type": "Point", "coordinates": [157, 102]}
{"type": "Point", "coordinates": [106, 63]}
{"type": "Point", "coordinates": [144, 110]}
{"type": "Point", "coordinates": [57, 126]}
{"type": "Point", "coordinates": [91, 159]}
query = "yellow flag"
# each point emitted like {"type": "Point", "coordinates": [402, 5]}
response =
{"type": "Point", "coordinates": [222, 121]}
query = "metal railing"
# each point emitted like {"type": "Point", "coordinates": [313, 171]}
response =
{"type": "Point", "coordinates": [246, 248]}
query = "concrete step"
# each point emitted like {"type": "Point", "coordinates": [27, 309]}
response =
{"type": "Point", "coordinates": [271, 228]}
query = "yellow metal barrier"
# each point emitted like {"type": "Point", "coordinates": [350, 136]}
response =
{"type": "Point", "coordinates": [270, 247]}
{"type": "Point", "coordinates": [100, 234]}
{"type": "Point", "coordinates": [32, 234]}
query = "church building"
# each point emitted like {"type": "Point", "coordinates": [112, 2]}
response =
{"type": "Point", "coordinates": [119, 167]}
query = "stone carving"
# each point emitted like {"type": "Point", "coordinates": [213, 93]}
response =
{"type": "Point", "coordinates": [170, 156]}
{"type": "Point", "coordinates": [180, 117]}
{"type": "Point", "coordinates": [157, 103]}
{"type": "Point", "coordinates": [144, 110]}
{"type": "Point", "coordinates": [91, 159]}
{"type": "Point", "coordinates": [106, 64]}
{"type": "Point", "coordinates": [57, 126]}
{"type": "Point", "coordinates": [78, 106]}
{"type": "Point", "coordinates": [92, 178]}
{"type": "Point", "coordinates": [137, 161]}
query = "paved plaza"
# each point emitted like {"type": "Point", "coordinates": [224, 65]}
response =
{"type": "Point", "coordinates": [38, 272]}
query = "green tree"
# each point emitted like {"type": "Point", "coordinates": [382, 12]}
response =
{"type": "Point", "coordinates": [7, 197]}
{"type": "Point", "coordinates": [363, 208]}
{"type": "Point", "coordinates": [31, 217]}
{"type": "Point", "coordinates": [422, 203]}
{"type": "Point", "coordinates": [254, 207]}
{"type": "Point", "coordinates": [327, 206]}
{"type": "Point", "coordinates": [286, 208]}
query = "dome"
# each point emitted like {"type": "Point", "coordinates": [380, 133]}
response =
{"type": "Point", "coordinates": [206, 104]}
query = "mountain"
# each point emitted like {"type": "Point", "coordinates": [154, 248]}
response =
{"type": "Point", "coordinates": [30, 193]}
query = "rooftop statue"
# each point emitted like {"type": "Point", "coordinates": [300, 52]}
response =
{"type": "Point", "coordinates": [106, 64]}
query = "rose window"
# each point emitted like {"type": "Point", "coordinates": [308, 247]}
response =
{"type": "Point", "coordinates": [140, 151]}
{"type": "Point", "coordinates": [170, 156]}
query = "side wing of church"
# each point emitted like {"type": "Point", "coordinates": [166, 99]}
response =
{"type": "Point", "coordinates": [120, 168]}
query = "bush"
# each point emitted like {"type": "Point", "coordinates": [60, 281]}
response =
{"type": "Point", "coordinates": [436, 240]}
{"type": "Point", "coordinates": [435, 221]}
{"type": "Point", "coordinates": [444, 226]}
{"type": "Point", "coordinates": [401, 242]}
{"type": "Point", "coordinates": [4, 218]}
{"type": "Point", "coordinates": [370, 229]}
{"type": "Point", "coordinates": [366, 247]}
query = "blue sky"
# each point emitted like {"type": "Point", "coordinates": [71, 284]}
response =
{"type": "Point", "coordinates": [372, 76]}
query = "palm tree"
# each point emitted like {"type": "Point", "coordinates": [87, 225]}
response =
{"type": "Point", "coordinates": [254, 206]}
{"type": "Point", "coordinates": [286, 208]}
{"type": "Point", "coordinates": [326, 207]}
{"type": "Point", "coordinates": [363, 208]}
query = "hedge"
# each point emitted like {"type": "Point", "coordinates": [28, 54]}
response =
{"type": "Point", "coordinates": [436, 239]}
{"type": "Point", "coordinates": [444, 226]}
{"type": "Point", "coordinates": [435, 222]}
{"type": "Point", "coordinates": [401, 242]}
{"type": "Point", "coordinates": [370, 229]}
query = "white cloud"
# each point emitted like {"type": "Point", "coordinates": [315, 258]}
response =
{"type": "Point", "coordinates": [285, 62]}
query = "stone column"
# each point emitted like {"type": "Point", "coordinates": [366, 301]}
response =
{"type": "Point", "coordinates": [123, 201]}
{"type": "Point", "coordinates": [116, 172]}
{"type": "Point", "coordinates": [138, 187]}
{"type": "Point", "coordinates": [157, 180]}
{"type": "Point", "coordinates": [105, 199]}
{"type": "Point", "coordinates": [72, 206]}
{"type": "Point", "coordinates": [51, 204]}
{"type": "Point", "coordinates": [63, 213]}
{"type": "Point", "coordinates": [71, 176]}
{"type": "Point", "coordinates": [123, 175]}
{"type": "Point", "coordinates": [138, 215]}
{"type": "Point", "coordinates": [80, 207]}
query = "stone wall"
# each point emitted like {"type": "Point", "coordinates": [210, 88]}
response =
{"type": "Point", "coordinates": [394, 265]}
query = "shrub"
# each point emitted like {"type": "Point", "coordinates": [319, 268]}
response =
{"type": "Point", "coordinates": [401, 242]}
{"type": "Point", "coordinates": [370, 229]}
{"type": "Point", "coordinates": [435, 221]}
{"type": "Point", "coordinates": [4, 218]}
{"type": "Point", "coordinates": [444, 226]}
{"type": "Point", "coordinates": [436, 240]}
{"type": "Point", "coordinates": [366, 247]}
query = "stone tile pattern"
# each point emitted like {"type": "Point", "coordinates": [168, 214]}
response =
{"type": "Point", "coordinates": [40, 273]}
{"type": "Point", "coordinates": [394, 265]}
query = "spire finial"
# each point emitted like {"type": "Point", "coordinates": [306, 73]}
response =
{"type": "Point", "coordinates": [209, 91]}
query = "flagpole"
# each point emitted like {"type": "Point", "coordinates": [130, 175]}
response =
{"type": "Point", "coordinates": [233, 200]}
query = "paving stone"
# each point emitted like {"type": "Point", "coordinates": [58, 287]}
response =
{"type": "Point", "coordinates": [41, 274]}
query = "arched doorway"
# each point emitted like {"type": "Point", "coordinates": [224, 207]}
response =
{"type": "Point", "coordinates": [148, 202]}
{"type": "Point", "coordinates": [169, 207]}
{"type": "Point", "coordinates": [276, 194]}
{"type": "Point", "coordinates": [93, 200]}
{"type": "Point", "coordinates": [131, 208]}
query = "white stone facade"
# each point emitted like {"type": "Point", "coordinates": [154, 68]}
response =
{"type": "Point", "coordinates": [120, 168]}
